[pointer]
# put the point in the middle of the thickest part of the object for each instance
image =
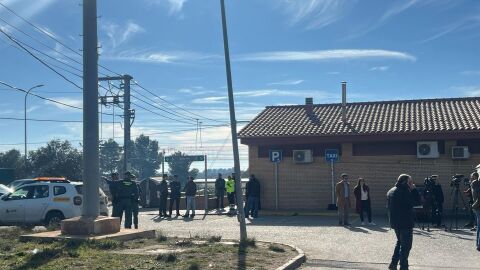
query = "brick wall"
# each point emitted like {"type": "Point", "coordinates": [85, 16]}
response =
{"type": "Point", "coordinates": [308, 186]}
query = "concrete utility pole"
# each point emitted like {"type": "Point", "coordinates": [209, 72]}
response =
{"type": "Point", "coordinates": [126, 122]}
{"type": "Point", "coordinates": [127, 115]}
{"type": "Point", "coordinates": [233, 127]}
{"type": "Point", "coordinates": [91, 173]}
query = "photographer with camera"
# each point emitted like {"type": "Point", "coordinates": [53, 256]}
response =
{"type": "Point", "coordinates": [434, 199]}
{"type": "Point", "coordinates": [471, 222]}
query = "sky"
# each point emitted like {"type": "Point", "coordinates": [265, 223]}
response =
{"type": "Point", "coordinates": [282, 51]}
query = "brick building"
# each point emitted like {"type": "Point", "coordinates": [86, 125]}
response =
{"type": "Point", "coordinates": [376, 140]}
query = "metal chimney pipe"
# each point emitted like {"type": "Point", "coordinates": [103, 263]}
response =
{"type": "Point", "coordinates": [344, 102]}
{"type": "Point", "coordinates": [309, 106]}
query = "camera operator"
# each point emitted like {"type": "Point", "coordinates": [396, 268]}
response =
{"type": "Point", "coordinates": [468, 193]}
{"type": "Point", "coordinates": [433, 195]}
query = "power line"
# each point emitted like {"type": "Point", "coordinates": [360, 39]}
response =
{"type": "Point", "coordinates": [38, 59]}
{"type": "Point", "coordinates": [166, 101]}
{"type": "Point", "coordinates": [50, 35]}
{"type": "Point", "coordinates": [41, 120]}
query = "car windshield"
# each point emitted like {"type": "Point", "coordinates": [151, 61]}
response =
{"type": "Point", "coordinates": [15, 184]}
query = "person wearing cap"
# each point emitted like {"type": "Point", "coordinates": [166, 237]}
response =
{"type": "Point", "coordinates": [127, 190]}
{"type": "Point", "coordinates": [190, 192]}
{"type": "Point", "coordinates": [344, 196]}
{"type": "Point", "coordinates": [175, 188]}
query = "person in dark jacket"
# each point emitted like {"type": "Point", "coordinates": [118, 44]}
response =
{"type": "Point", "coordinates": [113, 188]}
{"type": "Point", "coordinates": [175, 188]}
{"type": "Point", "coordinates": [127, 189]}
{"type": "Point", "coordinates": [433, 195]}
{"type": "Point", "coordinates": [363, 200]}
{"type": "Point", "coordinates": [136, 201]}
{"type": "Point", "coordinates": [162, 194]}
{"type": "Point", "coordinates": [253, 197]}
{"type": "Point", "coordinates": [190, 192]}
{"type": "Point", "coordinates": [401, 200]}
{"type": "Point", "coordinates": [220, 191]}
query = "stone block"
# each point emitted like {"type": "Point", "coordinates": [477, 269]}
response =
{"type": "Point", "coordinates": [90, 226]}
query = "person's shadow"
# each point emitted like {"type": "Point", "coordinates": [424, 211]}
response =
{"type": "Point", "coordinates": [356, 229]}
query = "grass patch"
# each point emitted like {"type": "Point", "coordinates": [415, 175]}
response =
{"type": "Point", "coordinates": [276, 248]}
{"type": "Point", "coordinates": [249, 242]}
{"type": "Point", "coordinates": [214, 239]}
{"type": "Point", "coordinates": [168, 258]}
{"type": "Point", "coordinates": [161, 237]}
{"type": "Point", "coordinates": [184, 243]}
{"type": "Point", "coordinates": [193, 266]}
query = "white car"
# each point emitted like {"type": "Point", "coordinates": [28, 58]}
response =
{"type": "Point", "coordinates": [45, 202]}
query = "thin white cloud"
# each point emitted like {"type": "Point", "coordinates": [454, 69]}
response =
{"type": "Point", "coordinates": [119, 35]}
{"type": "Point", "coordinates": [464, 23]}
{"type": "Point", "coordinates": [315, 14]}
{"type": "Point", "coordinates": [380, 68]}
{"type": "Point", "coordinates": [469, 90]}
{"type": "Point", "coordinates": [210, 100]}
{"type": "Point", "coordinates": [68, 101]}
{"type": "Point", "coordinates": [285, 93]}
{"type": "Point", "coordinates": [173, 6]}
{"type": "Point", "coordinates": [155, 57]}
{"type": "Point", "coordinates": [471, 72]}
{"type": "Point", "coordinates": [287, 82]}
{"type": "Point", "coordinates": [348, 54]}
{"type": "Point", "coordinates": [395, 9]}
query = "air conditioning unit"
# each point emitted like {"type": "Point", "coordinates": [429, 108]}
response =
{"type": "Point", "coordinates": [302, 156]}
{"type": "Point", "coordinates": [460, 152]}
{"type": "Point", "coordinates": [427, 149]}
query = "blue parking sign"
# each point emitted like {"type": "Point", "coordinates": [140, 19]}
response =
{"type": "Point", "coordinates": [275, 155]}
{"type": "Point", "coordinates": [331, 155]}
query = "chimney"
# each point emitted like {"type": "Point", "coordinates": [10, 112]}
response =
{"type": "Point", "coordinates": [344, 102]}
{"type": "Point", "coordinates": [309, 106]}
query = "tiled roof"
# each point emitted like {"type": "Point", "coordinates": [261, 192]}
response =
{"type": "Point", "coordinates": [365, 118]}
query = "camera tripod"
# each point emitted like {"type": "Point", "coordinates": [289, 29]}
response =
{"type": "Point", "coordinates": [456, 194]}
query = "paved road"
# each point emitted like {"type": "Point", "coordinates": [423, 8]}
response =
{"type": "Point", "coordinates": [329, 246]}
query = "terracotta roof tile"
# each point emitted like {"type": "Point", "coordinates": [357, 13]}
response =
{"type": "Point", "coordinates": [392, 117]}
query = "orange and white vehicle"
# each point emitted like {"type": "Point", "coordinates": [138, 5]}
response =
{"type": "Point", "coordinates": [45, 201]}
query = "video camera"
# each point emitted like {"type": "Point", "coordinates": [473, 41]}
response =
{"type": "Point", "coordinates": [430, 182]}
{"type": "Point", "coordinates": [457, 179]}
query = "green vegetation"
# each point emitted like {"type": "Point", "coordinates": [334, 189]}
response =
{"type": "Point", "coordinates": [191, 253]}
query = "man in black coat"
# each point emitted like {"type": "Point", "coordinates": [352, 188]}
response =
{"type": "Point", "coordinates": [220, 191]}
{"type": "Point", "coordinates": [162, 194]}
{"type": "Point", "coordinates": [175, 188]}
{"type": "Point", "coordinates": [253, 197]}
{"type": "Point", "coordinates": [401, 200]}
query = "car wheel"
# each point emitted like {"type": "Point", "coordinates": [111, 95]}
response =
{"type": "Point", "coordinates": [53, 219]}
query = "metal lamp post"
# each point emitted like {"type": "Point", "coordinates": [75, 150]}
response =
{"type": "Point", "coordinates": [25, 111]}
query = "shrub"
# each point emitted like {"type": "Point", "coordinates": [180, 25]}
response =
{"type": "Point", "coordinates": [214, 239]}
{"type": "Point", "coordinates": [276, 248]}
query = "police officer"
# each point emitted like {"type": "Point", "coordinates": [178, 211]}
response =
{"type": "Point", "coordinates": [113, 188]}
{"type": "Point", "coordinates": [127, 189]}
{"type": "Point", "coordinates": [174, 195]}
{"type": "Point", "coordinates": [135, 201]}
{"type": "Point", "coordinates": [230, 187]}
{"type": "Point", "coordinates": [162, 194]}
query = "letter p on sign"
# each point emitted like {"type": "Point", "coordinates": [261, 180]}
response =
{"type": "Point", "coordinates": [276, 155]}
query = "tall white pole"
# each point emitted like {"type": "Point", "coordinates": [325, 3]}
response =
{"type": "Point", "coordinates": [233, 127]}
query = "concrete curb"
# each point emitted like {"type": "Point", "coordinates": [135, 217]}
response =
{"type": "Point", "coordinates": [293, 263]}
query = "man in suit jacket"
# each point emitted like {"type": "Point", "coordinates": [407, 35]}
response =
{"type": "Point", "coordinates": [344, 195]}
